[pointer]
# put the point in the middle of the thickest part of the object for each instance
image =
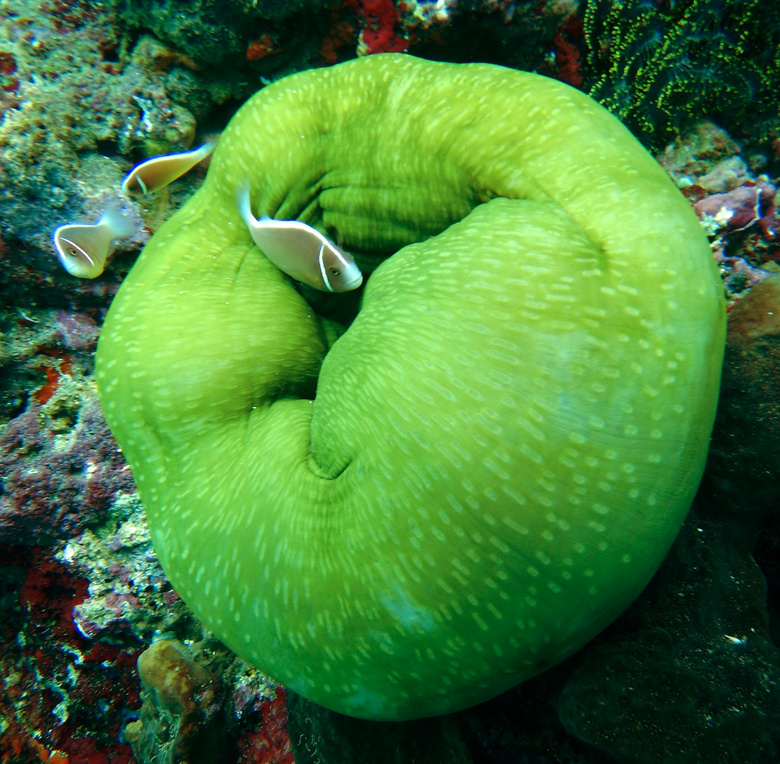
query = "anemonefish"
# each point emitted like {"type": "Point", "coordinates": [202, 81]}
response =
{"type": "Point", "coordinates": [84, 249]}
{"type": "Point", "coordinates": [301, 251]}
{"type": "Point", "coordinates": [157, 172]}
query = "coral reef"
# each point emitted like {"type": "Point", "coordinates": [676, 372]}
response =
{"type": "Point", "coordinates": [75, 102]}
{"type": "Point", "coordinates": [60, 469]}
{"type": "Point", "coordinates": [186, 716]}
{"type": "Point", "coordinates": [210, 31]}
{"type": "Point", "coordinates": [54, 485]}
{"type": "Point", "coordinates": [75, 110]}
{"type": "Point", "coordinates": [61, 695]}
{"type": "Point", "coordinates": [660, 65]}
{"type": "Point", "coordinates": [74, 617]}
{"type": "Point", "coordinates": [81, 590]}
{"type": "Point", "coordinates": [736, 205]}
{"type": "Point", "coordinates": [535, 36]}
{"type": "Point", "coordinates": [86, 90]}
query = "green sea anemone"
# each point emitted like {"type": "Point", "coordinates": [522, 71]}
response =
{"type": "Point", "coordinates": [489, 464]}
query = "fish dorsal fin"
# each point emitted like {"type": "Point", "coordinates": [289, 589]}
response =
{"type": "Point", "coordinates": [157, 172]}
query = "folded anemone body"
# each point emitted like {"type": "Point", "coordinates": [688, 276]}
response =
{"type": "Point", "coordinates": [490, 462]}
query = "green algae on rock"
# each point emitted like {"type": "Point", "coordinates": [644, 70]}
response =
{"type": "Point", "coordinates": [502, 445]}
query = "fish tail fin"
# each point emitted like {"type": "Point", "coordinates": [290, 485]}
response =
{"type": "Point", "coordinates": [119, 222]}
{"type": "Point", "coordinates": [244, 206]}
{"type": "Point", "coordinates": [206, 149]}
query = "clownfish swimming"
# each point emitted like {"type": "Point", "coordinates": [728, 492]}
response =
{"type": "Point", "coordinates": [83, 249]}
{"type": "Point", "coordinates": [301, 251]}
{"type": "Point", "coordinates": [156, 173]}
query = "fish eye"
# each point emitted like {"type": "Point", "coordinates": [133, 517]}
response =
{"type": "Point", "coordinates": [335, 272]}
{"type": "Point", "coordinates": [73, 252]}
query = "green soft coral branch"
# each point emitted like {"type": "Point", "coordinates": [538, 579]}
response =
{"type": "Point", "coordinates": [502, 445]}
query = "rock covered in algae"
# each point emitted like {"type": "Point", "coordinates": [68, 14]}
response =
{"type": "Point", "coordinates": [212, 30]}
{"type": "Point", "coordinates": [182, 717]}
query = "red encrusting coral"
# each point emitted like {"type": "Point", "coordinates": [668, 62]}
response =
{"type": "Point", "coordinates": [567, 51]}
{"type": "Point", "coordinates": [8, 80]}
{"type": "Point", "coordinates": [340, 34]}
{"type": "Point", "coordinates": [45, 391]}
{"type": "Point", "coordinates": [52, 373]}
{"type": "Point", "coordinates": [260, 48]}
{"type": "Point", "coordinates": [378, 35]}
{"type": "Point", "coordinates": [270, 744]}
{"type": "Point", "coordinates": [63, 687]}
{"type": "Point", "coordinates": [49, 592]}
